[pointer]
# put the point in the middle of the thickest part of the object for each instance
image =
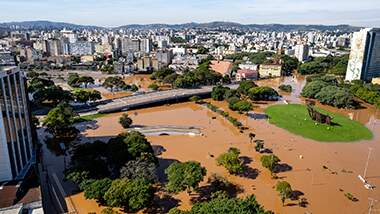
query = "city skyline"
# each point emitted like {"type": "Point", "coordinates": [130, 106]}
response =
{"type": "Point", "coordinates": [115, 13]}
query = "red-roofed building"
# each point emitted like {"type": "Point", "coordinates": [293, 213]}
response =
{"type": "Point", "coordinates": [246, 74]}
{"type": "Point", "coordinates": [222, 67]}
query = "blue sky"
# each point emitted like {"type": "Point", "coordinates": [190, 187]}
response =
{"type": "Point", "coordinates": [119, 12]}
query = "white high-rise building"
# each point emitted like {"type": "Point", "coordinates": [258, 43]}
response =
{"type": "Point", "coordinates": [301, 52]}
{"type": "Point", "coordinates": [364, 61]}
{"type": "Point", "coordinates": [16, 147]}
{"type": "Point", "coordinates": [70, 35]}
{"type": "Point", "coordinates": [146, 45]}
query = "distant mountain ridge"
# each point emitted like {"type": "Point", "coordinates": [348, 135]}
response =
{"type": "Point", "coordinates": [47, 25]}
{"type": "Point", "coordinates": [43, 25]}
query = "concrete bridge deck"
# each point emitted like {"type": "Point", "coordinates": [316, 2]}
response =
{"type": "Point", "coordinates": [140, 100]}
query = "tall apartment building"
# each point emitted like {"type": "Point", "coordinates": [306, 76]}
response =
{"type": "Point", "coordinates": [301, 52]}
{"type": "Point", "coordinates": [16, 148]}
{"type": "Point", "coordinates": [130, 45]}
{"type": "Point", "coordinates": [364, 61]}
{"type": "Point", "coordinates": [82, 48]}
{"type": "Point", "coordinates": [54, 47]}
{"type": "Point", "coordinates": [146, 45]}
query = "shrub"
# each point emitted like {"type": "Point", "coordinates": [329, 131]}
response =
{"type": "Point", "coordinates": [125, 121]}
{"type": "Point", "coordinates": [230, 160]}
{"type": "Point", "coordinates": [269, 162]}
{"type": "Point", "coordinates": [284, 189]}
{"type": "Point", "coordinates": [153, 86]}
{"type": "Point", "coordinates": [286, 88]}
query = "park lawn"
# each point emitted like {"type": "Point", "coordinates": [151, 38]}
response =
{"type": "Point", "coordinates": [90, 117]}
{"type": "Point", "coordinates": [295, 119]}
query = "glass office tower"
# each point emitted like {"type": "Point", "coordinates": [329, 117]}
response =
{"type": "Point", "coordinates": [16, 147]}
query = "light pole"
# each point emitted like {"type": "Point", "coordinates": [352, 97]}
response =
{"type": "Point", "coordinates": [366, 165]}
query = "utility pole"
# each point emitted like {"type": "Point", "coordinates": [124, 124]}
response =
{"type": "Point", "coordinates": [366, 165]}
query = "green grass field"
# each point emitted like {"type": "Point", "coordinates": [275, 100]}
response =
{"type": "Point", "coordinates": [295, 119]}
{"type": "Point", "coordinates": [90, 117]}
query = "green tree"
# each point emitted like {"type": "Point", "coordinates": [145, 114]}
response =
{"type": "Point", "coordinates": [134, 88]}
{"type": "Point", "coordinates": [32, 74]}
{"type": "Point", "coordinates": [289, 64]}
{"type": "Point", "coordinates": [86, 95]}
{"type": "Point", "coordinates": [263, 93]}
{"type": "Point", "coordinates": [139, 169]}
{"type": "Point", "coordinates": [311, 89]}
{"type": "Point", "coordinates": [184, 176]}
{"type": "Point", "coordinates": [241, 106]}
{"type": "Point", "coordinates": [284, 189]}
{"type": "Point", "coordinates": [38, 84]}
{"type": "Point", "coordinates": [245, 86]}
{"type": "Point", "coordinates": [162, 73]}
{"type": "Point", "coordinates": [109, 210]}
{"type": "Point", "coordinates": [132, 195]}
{"type": "Point", "coordinates": [97, 189]}
{"type": "Point", "coordinates": [231, 93]}
{"type": "Point", "coordinates": [52, 95]}
{"type": "Point", "coordinates": [125, 121]}
{"type": "Point", "coordinates": [86, 80]}
{"type": "Point", "coordinates": [269, 162]}
{"type": "Point", "coordinates": [153, 87]}
{"type": "Point", "coordinates": [223, 204]}
{"type": "Point", "coordinates": [137, 144]}
{"type": "Point", "coordinates": [335, 96]}
{"type": "Point", "coordinates": [72, 79]}
{"type": "Point", "coordinates": [286, 88]}
{"type": "Point", "coordinates": [114, 83]}
{"type": "Point", "coordinates": [230, 160]}
{"type": "Point", "coordinates": [218, 92]}
{"type": "Point", "coordinates": [60, 119]}
{"type": "Point", "coordinates": [77, 177]}
{"type": "Point", "coordinates": [170, 79]}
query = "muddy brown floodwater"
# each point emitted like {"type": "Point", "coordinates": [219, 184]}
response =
{"type": "Point", "coordinates": [323, 175]}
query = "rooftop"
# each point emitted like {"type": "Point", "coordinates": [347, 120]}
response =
{"type": "Point", "coordinates": [222, 67]}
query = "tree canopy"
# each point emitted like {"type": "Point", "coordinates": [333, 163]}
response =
{"type": "Point", "coordinates": [114, 82]}
{"type": "Point", "coordinates": [184, 176]}
{"type": "Point", "coordinates": [139, 169]}
{"type": "Point", "coordinates": [230, 160]}
{"type": "Point", "coordinates": [97, 189]}
{"type": "Point", "coordinates": [125, 121]}
{"type": "Point", "coordinates": [86, 95]}
{"type": "Point", "coordinates": [60, 119]}
{"type": "Point", "coordinates": [218, 92]}
{"type": "Point", "coordinates": [226, 205]}
{"type": "Point", "coordinates": [331, 64]}
{"type": "Point", "coordinates": [131, 194]}
{"type": "Point", "coordinates": [263, 93]}
{"type": "Point", "coordinates": [269, 162]}
{"type": "Point", "coordinates": [284, 189]}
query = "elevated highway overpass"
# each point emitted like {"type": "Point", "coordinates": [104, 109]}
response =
{"type": "Point", "coordinates": [137, 101]}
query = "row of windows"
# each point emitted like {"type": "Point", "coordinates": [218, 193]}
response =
{"type": "Point", "coordinates": [15, 120]}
